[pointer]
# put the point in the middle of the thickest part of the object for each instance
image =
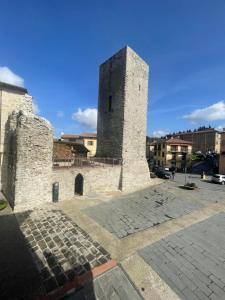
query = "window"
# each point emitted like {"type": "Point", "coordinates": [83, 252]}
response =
{"type": "Point", "coordinates": [139, 87]}
{"type": "Point", "coordinates": [173, 148]}
{"type": "Point", "coordinates": [90, 143]}
{"type": "Point", "coordinates": [110, 104]}
{"type": "Point", "coordinates": [163, 154]}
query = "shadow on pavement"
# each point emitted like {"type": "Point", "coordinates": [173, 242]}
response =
{"type": "Point", "coordinates": [22, 274]}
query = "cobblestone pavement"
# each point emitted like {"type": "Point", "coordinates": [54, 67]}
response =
{"type": "Point", "coordinates": [141, 210]}
{"type": "Point", "coordinates": [61, 250]}
{"type": "Point", "coordinates": [192, 261]}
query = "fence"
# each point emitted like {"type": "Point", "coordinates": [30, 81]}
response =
{"type": "Point", "coordinates": [86, 162]}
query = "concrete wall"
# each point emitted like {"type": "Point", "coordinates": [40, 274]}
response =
{"type": "Point", "coordinates": [98, 179]}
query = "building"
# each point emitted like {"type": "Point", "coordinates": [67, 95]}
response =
{"type": "Point", "coordinates": [89, 140]}
{"type": "Point", "coordinates": [122, 115]}
{"type": "Point", "coordinates": [28, 169]}
{"type": "Point", "coordinates": [205, 140]}
{"type": "Point", "coordinates": [222, 154]}
{"type": "Point", "coordinates": [65, 152]}
{"type": "Point", "coordinates": [172, 152]}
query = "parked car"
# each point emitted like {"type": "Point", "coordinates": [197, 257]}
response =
{"type": "Point", "coordinates": [218, 178]}
{"type": "Point", "coordinates": [161, 173]}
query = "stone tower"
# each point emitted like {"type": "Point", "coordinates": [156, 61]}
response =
{"type": "Point", "coordinates": [122, 115]}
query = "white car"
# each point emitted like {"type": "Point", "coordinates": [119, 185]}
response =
{"type": "Point", "coordinates": [218, 178]}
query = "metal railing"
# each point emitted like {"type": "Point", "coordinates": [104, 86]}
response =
{"type": "Point", "coordinates": [86, 162]}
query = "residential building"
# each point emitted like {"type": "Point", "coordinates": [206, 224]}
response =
{"type": "Point", "coordinates": [150, 147]}
{"type": "Point", "coordinates": [222, 154]}
{"type": "Point", "coordinates": [65, 152]}
{"type": "Point", "coordinates": [205, 140]}
{"type": "Point", "coordinates": [172, 152]}
{"type": "Point", "coordinates": [88, 139]}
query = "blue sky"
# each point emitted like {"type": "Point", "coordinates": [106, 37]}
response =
{"type": "Point", "coordinates": [56, 47]}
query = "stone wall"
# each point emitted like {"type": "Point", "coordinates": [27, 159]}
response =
{"type": "Point", "coordinates": [122, 115]}
{"type": "Point", "coordinates": [11, 99]}
{"type": "Point", "coordinates": [98, 179]}
{"type": "Point", "coordinates": [31, 163]}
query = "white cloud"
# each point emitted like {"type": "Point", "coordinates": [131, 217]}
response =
{"type": "Point", "coordinates": [86, 117]}
{"type": "Point", "coordinates": [36, 109]}
{"type": "Point", "coordinates": [7, 76]}
{"type": "Point", "coordinates": [210, 113]}
{"type": "Point", "coordinates": [160, 133]}
{"type": "Point", "coordinates": [60, 114]}
{"type": "Point", "coordinates": [220, 127]}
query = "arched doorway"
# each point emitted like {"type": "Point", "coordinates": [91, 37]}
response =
{"type": "Point", "coordinates": [79, 184]}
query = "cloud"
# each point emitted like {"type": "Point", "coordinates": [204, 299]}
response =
{"type": "Point", "coordinates": [36, 109]}
{"type": "Point", "coordinates": [213, 112]}
{"type": "Point", "coordinates": [160, 133]}
{"type": "Point", "coordinates": [60, 114]}
{"type": "Point", "coordinates": [7, 76]}
{"type": "Point", "coordinates": [220, 127]}
{"type": "Point", "coordinates": [86, 117]}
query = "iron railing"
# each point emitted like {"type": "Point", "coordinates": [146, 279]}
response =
{"type": "Point", "coordinates": [86, 162]}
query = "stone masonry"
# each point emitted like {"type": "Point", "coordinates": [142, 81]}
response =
{"type": "Point", "coordinates": [122, 115]}
{"type": "Point", "coordinates": [30, 162]}
{"type": "Point", "coordinates": [12, 98]}
{"type": "Point", "coordinates": [26, 140]}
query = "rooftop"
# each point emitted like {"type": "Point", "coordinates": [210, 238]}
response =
{"type": "Point", "coordinates": [7, 86]}
{"type": "Point", "coordinates": [77, 136]}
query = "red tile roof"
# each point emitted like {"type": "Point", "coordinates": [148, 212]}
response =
{"type": "Point", "coordinates": [174, 141]}
{"type": "Point", "coordinates": [69, 136]}
{"type": "Point", "coordinates": [77, 136]}
{"type": "Point", "coordinates": [88, 134]}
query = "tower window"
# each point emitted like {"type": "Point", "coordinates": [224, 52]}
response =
{"type": "Point", "coordinates": [139, 87]}
{"type": "Point", "coordinates": [110, 104]}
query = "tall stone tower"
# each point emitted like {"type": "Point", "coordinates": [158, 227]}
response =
{"type": "Point", "coordinates": [122, 115]}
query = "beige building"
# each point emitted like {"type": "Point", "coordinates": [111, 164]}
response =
{"type": "Point", "coordinates": [202, 140]}
{"type": "Point", "coordinates": [89, 140]}
{"type": "Point", "coordinates": [172, 152]}
{"type": "Point", "coordinates": [222, 154]}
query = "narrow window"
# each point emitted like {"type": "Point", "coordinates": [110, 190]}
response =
{"type": "Point", "coordinates": [110, 104]}
{"type": "Point", "coordinates": [139, 87]}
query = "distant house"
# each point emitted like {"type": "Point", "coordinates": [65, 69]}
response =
{"type": "Point", "coordinates": [88, 139]}
{"type": "Point", "coordinates": [65, 152]}
{"type": "Point", "coordinates": [203, 140]}
{"type": "Point", "coordinates": [172, 152]}
{"type": "Point", "coordinates": [222, 154]}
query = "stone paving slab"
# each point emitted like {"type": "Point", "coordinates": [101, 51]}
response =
{"type": "Point", "coordinates": [192, 261]}
{"type": "Point", "coordinates": [60, 249]}
{"type": "Point", "coordinates": [113, 285]}
{"type": "Point", "coordinates": [141, 210]}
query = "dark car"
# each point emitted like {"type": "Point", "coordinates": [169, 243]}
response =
{"type": "Point", "coordinates": [161, 173]}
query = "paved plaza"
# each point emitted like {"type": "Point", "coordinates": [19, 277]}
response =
{"type": "Point", "coordinates": [141, 210]}
{"type": "Point", "coordinates": [192, 261]}
{"type": "Point", "coordinates": [162, 243]}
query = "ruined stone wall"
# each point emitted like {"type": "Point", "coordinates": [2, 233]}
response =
{"type": "Point", "coordinates": [99, 179]}
{"type": "Point", "coordinates": [11, 99]}
{"type": "Point", "coordinates": [122, 115]}
{"type": "Point", "coordinates": [33, 164]}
